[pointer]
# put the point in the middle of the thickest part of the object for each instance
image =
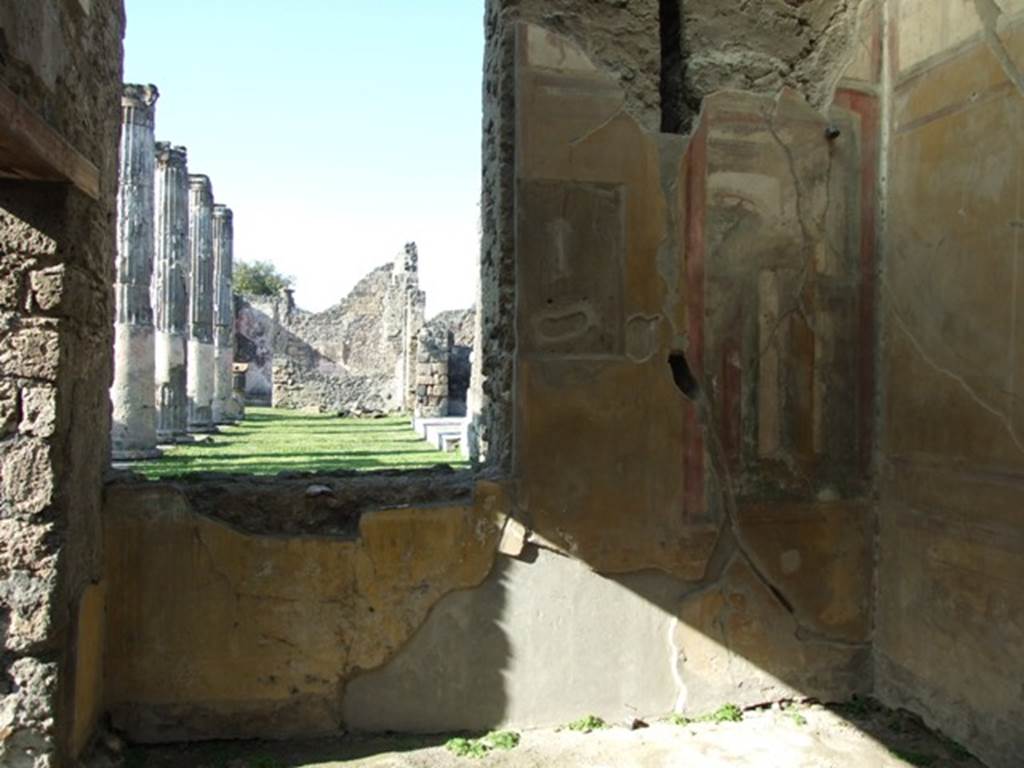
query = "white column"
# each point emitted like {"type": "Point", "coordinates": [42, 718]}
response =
{"type": "Point", "coordinates": [133, 428]}
{"type": "Point", "coordinates": [170, 292]}
{"type": "Point", "coordinates": [200, 325]}
{"type": "Point", "coordinates": [224, 410]}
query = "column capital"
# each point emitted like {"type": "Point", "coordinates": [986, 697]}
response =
{"type": "Point", "coordinates": [223, 212]}
{"type": "Point", "coordinates": [201, 184]}
{"type": "Point", "coordinates": [171, 155]}
{"type": "Point", "coordinates": [138, 103]}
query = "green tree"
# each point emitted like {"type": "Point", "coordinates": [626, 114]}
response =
{"type": "Point", "coordinates": [259, 278]}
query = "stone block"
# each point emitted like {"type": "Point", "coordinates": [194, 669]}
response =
{"type": "Point", "coordinates": [38, 411]}
{"type": "Point", "coordinates": [9, 402]}
{"type": "Point", "coordinates": [27, 715]}
{"type": "Point", "coordinates": [26, 594]}
{"type": "Point", "coordinates": [26, 477]}
{"type": "Point", "coordinates": [31, 351]}
{"type": "Point", "coordinates": [48, 287]}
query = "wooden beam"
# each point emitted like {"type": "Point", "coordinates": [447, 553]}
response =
{"type": "Point", "coordinates": [31, 149]}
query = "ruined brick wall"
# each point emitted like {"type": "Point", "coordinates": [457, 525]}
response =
{"type": "Point", "coordinates": [460, 324]}
{"type": "Point", "coordinates": [349, 334]}
{"type": "Point", "coordinates": [357, 356]}
{"type": "Point", "coordinates": [433, 355]}
{"type": "Point", "coordinates": [61, 61]}
{"type": "Point", "coordinates": [951, 522]}
{"type": "Point", "coordinates": [300, 388]}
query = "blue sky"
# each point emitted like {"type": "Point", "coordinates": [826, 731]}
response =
{"type": "Point", "coordinates": [337, 130]}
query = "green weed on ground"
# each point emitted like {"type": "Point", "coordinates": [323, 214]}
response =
{"type": "Point", "coordinates": [477, 748]}
{"type": "Point", "coordinates": [728, 713]}
{"type": "Point", "coordinates": [272, 440]}
{"type": "Point", "coordinates": [587, 724]}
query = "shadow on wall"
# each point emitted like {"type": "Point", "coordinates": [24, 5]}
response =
{"type": "Point", "coordinates": [440, 678]}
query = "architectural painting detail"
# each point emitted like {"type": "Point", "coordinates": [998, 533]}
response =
{"type": "Point", "coordinates": [170, 291]}
{"type": "Point", "coordinates": [201, 351]}
{"type": "Point", "coordinates": [133, 432]}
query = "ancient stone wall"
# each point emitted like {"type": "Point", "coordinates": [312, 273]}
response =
{"type": "Point", "coordinates": [338, 360]}
{"type": "Point", "coordinates": [460, 325]}
{"type": "Point", "coordinates": [951, 536]}
{"type": "Point", "coordinates": [60, 88]}
{"type": "Point", "coordinates": [433, 356]}
{"type": "Point", "coordinates": [357, 356]}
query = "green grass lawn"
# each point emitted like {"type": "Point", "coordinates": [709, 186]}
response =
{"type": "Point", "coordinates": [269, 441]}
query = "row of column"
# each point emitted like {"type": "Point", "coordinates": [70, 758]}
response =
{"type": "Point", "coordinates": [174, 327]}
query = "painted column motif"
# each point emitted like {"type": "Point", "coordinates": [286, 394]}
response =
{"type": "Point", "coordinates": [133, 428]}
{"type": "Point", "coordinates": [200, 300]}
{"type": "Point", "coordinates": [223, 315]}
{"type": "Point", "coordinates": [170, 292]}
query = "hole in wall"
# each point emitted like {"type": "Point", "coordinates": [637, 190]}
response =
{"type": "Point", "coordinates": [682, 375]}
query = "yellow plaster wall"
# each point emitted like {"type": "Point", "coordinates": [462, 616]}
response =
{"type": "Point", "coordinates": [952, 487]}
{"type": "Point", "coordinates": [212, 632]}
{"type": "Point", "coordinates": [88, 684]}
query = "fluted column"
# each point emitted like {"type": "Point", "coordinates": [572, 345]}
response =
{"type": "Point", "coordinates": [223, 315]}
{"type": "Point", "coordinates": [200, 300]}
{"type": "Point", "coordinates": [170, 292]}
{"type": "Point", "coordinates": [133, 428]}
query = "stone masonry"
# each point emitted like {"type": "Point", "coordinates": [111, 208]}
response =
{"type": "Point", "coordinates": [61, 93]}
{"type": "Point", "coordinates": [459, 326]}
{"type": "Point", "coordinates": [132, 393]}
{"type": "Point", "coordinates": [433, 353]}
{"type": "Point", "coordinates": [170, 292]}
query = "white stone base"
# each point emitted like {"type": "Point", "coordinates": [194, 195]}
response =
{"type": "Point", "coordinates": [200, 387]}
{"type": "Point", "coordinates": [133, 425]}
{"type": "Point", "coordinates": [171, 378]}
{"type": "Point", "coordinates": [223, 357]}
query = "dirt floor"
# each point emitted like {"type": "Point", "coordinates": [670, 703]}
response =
{"type": "Point", "coordinates": [858, 735]}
